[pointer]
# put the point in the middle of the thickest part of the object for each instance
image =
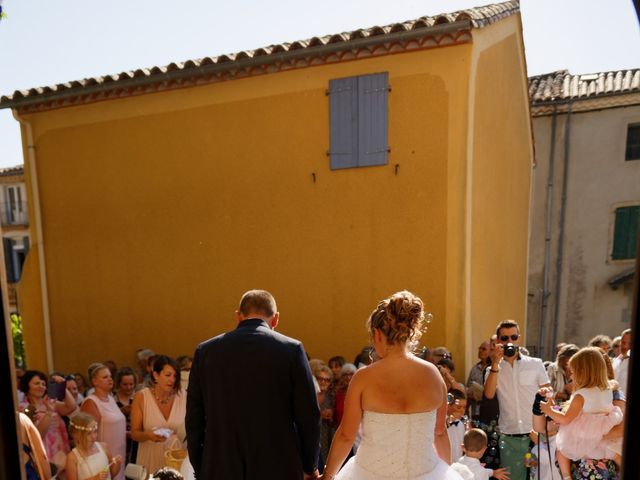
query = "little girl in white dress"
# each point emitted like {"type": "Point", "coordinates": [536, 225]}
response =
{"type": "Point", "coordinates": [89, 459]}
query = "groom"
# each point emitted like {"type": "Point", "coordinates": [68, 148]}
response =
{"type": "Point", "coordinates": [252, 411]}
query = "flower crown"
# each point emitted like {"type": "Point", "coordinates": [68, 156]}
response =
{"type": "Point", "coordinates": [92, 427]}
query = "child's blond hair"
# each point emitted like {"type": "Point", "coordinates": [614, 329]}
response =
{"type": "Point", "coordinates": [81, 426]}
{"type": "Point", "coordinates": [589, 369]}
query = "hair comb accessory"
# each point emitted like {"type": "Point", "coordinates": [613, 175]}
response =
{"type": "Point", "coordinates": [89, 428]}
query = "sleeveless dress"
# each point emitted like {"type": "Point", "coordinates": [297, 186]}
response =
{"type": "Point", "coordinates": [151, 454]}
{"type": "Point", "coordinates": [93, 464]}
{"type": "Point", "coordinates": [112, 429]}
{"type": "Point", "coordinates": [55, 439]}
{"type": "Point", "coordinates": [582, 437]}
{"type": "Point", "coordinates": [397, 446]}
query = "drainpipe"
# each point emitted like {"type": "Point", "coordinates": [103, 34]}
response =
{"type": "Point", "coordinates": [544, 294]}
{"type": "Point", "coordinates": [563, 208]}
{"type": "Point", "coordinates": [31, 159]}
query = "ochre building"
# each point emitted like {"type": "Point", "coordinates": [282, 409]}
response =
{"type": "Point", "coordinates": [332, 172]}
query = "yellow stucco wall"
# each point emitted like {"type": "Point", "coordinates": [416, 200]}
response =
{"type": "Point", "coordinates": [159, 211]}
{"type": "Point", "coordinates": [502, 156]}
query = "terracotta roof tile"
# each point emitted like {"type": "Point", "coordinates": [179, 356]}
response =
{"type": "Point", "coordinates": [561, 85]}
{"type": "Point", "coordinates": [11, 171]}
{"type": "Point", "coordinates": [475, 17]}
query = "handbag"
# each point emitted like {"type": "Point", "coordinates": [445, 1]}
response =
{"type": "Point", "coordinates": [173, 457]}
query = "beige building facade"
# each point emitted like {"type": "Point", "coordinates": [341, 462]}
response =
{"type": "Point", "coordinates": [585, 202]}
{"type": "Point", "coordinates": [14, 217]}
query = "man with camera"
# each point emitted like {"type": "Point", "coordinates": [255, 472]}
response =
{"type": "Point", "coordinates": [515, 378]}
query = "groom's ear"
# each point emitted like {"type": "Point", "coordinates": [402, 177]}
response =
{"type": "Point", "coordinates": [274, 320]}
{"type": "Point", "coordinates": [239, 316]}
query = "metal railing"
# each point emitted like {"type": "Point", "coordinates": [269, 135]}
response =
{"type": "Point", "coordinates": [14, 213]}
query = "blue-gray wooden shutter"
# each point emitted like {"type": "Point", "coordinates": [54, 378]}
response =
{"type": "Point", "coordinates": [343, 122]}
{"type": "Point", "coordinates": [373, 108]}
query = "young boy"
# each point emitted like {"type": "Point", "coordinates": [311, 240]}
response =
{"type": "Point", "coordinates": [455, 425]}
{"type": "Point", "coordinates": [474, 445]}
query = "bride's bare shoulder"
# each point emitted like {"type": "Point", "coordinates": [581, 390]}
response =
{"type": "Point", "coordinates": [427, 367]}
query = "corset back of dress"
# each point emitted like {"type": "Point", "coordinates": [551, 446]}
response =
{"type": "Point", "coordinates": [397, 445]}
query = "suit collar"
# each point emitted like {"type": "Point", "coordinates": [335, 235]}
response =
{"type": "Point", "coordinates": [253, 323]}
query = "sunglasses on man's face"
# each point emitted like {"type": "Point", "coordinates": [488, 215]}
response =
{"type": "Point", "coordinates": [514, 337]}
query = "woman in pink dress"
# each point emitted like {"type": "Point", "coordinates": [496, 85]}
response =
{"type": "Point", "coordinates": [157, 414]}
{"type": "Point", "coordinates": [112, 424]}
{"type": "Point", "coordinates": [46, 413]}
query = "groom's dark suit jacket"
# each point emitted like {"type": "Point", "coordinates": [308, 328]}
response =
{"type": "Point", "coordinates": [252, 411]}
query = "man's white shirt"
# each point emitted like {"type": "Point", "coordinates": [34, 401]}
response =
{"type": "Point", "coordinates": [621, 370]}
{"type": "Point", "coordinates": [516, 390]}
{"type": "Point", "coordinates": [456, 437]}
{"type": "Point", "coordinates": [473, 464]}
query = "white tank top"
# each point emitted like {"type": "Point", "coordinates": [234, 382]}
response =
{"type": "Point", "coordinates": [93, 464]}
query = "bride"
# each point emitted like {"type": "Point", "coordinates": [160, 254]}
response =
{"type": "Point", "coordinates": [400, 401]}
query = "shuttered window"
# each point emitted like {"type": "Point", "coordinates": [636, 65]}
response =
{"type": "Point", "coordinates": [625, 235]}
{"type": "Point", "coordinates": [633, 143]}
{"type": "Point", "coordinates": [358, 116]}
{"type": "Point", "coordinates": [10, 264]}
{"type": "Point", "coordinates": [14, 257]}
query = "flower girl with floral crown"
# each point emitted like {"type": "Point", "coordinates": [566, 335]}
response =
{"type": "Point", "coordinates": [589, 414]}
{"type": "Point", "coordinates": [89, 460]}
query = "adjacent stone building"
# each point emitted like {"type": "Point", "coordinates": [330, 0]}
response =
{"type": "Point", "coordinates": [14, 216]}
{"type": "Point", "coordinates": [585, 202]}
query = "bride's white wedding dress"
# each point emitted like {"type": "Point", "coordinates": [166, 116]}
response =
{"type": "Point", "coordinates": [397, 446]}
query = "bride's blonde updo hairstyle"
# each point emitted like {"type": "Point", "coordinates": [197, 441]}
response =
{"type": "Point", "coordinates": [400, 318]}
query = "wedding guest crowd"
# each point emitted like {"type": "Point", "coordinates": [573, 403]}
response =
{"type": "Point", "coordinates": [515, 414]}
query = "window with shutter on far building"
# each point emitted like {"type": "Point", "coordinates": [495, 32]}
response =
{"type": "Point", "coordinates": [15, 252]}
{"type": "Point", "coordinates": [625, 233]}
{"type": "Point", "coordinates": [633, 143]}
{"type": "Point", "coordinates": [358, 121]}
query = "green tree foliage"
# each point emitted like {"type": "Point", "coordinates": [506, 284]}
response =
{"type": "Point", "coordinates": [18, 340]}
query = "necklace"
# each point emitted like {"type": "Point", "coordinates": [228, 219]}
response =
{"type": "Point", "coordinates": [102, 398]}
{"type": "Point", "coordinates": [162, 401]}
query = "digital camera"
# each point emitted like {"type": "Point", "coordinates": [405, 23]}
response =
{"type": "Point", "coordinates": [510, 350]}
{"type": "Point", "coordinates": [536, 405]}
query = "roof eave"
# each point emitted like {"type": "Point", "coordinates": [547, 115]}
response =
{"type": "Point", "coordinates": [241, 64]}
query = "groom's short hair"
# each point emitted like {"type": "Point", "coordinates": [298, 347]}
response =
{"type": "Point", "coordinates": [258, 301]}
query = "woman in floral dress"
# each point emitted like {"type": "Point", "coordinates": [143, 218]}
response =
{"type": "Point", "coordinates": [46, 413]}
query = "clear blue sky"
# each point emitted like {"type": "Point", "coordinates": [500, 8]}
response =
{"type": "Point", "coordinates": [44, 42]}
